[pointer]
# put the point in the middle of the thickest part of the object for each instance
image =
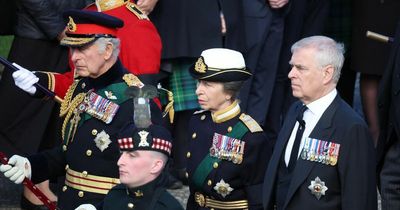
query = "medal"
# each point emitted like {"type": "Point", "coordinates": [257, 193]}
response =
{"type": "Point", "coordinates": [317, 188]}
{"type": "Point", "coordinates": [223, 188]}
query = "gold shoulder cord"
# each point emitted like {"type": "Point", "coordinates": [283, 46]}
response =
{"type": "Point", "coordinates": [72, 106]}
{"type": "Point", "coordinates": [67, 99]}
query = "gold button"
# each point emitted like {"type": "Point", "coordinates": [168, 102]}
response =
{"type": "Point", "coordinates": [89, 152]}
{"type": "Point", "coordinates": [188, 154]}
{"type": "Point", "coordinates": [66, 167]}
{"type": "Point", "coordinates": [85, 173]}
{"type": "Point", "coordinates": [131, 205]}
{"type": "Point", "coordinates": [94, 132]}
{"type": "Point", "coordinates": [194, 135]}
{"type": "Point", "coordinates": [203, 117]}
{"type": "Point", "coordinates": [186, 175]}
{"type": "Point", "coordinates": [229, 129]}
{"type": "Point", "coordinates": [215, 165]}
{"type": "Point", "coordinates": [64, 188]}
{"type": "Point", "coordinates": [64, 147]}
{"type": "Point", "coordinates": [209, 182]}
{"type": "Point", "coordinates": [81, 194]}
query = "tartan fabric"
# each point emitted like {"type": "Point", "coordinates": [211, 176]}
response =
{"type": "Point", "coordinates": [183, 86]}
{"type": "Point", "coordinates": [339, 22]}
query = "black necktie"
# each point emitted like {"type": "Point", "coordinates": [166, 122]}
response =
{"type": "Point", "coordinates": [297, 140]}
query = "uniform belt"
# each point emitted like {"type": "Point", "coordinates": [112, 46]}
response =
{"type": "Point", "coordinates": [204, 201]}
{"type": "Point", "coordinates": [89, 183]}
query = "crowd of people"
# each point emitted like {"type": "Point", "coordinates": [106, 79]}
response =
{"type": "Point", "coordinates": [260, 115]}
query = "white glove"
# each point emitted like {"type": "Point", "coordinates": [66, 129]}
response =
{"type": "Point", "coordinates": [86, 207]}
{"type": "Point", "coordinates": [25, 79]}
{"type": "Point", "coordinates": [17, 169]}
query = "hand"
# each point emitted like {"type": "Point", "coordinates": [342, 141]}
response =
{"type": "Point", "coordinates": [86, 207]}
{"type": "Point", "coordinates": [276, 4]}
{"type": "Point", "coordinates": [146, 5]}
{"type": "Point", "coordinates": [17, 169]}
{"type": "Point", "coordinates": [25, 79]}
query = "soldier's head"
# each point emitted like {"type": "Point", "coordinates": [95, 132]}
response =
{"type": "Point", "coordinates": [220, 73]}
{"type": "Point", "coordinates": [316, 64]}
{"type": "Point", "coordinates": [144, 153]}
{"type": "Point", "coordinates": [91, 37]}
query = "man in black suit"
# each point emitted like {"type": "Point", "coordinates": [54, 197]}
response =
{"type": "Point", "coordinates": [324, 156]}
{"type": "Point", "coordinates": [388, 147]}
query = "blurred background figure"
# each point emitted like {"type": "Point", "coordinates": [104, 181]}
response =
{"type": "Point", "coordinates": [370, 57]}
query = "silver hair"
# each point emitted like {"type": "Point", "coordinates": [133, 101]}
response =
{"type": "Point", "coordinates": [328, 52]}
{"type": "Point", "coordinates": [232, 88]}
{"type": "Point", "coordinates": [102, 44]}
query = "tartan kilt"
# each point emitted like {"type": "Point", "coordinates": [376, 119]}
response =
{"type": "Point", "coordinates": [182, 85]}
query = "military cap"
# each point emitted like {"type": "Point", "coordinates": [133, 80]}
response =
{"type": "Point", "coordinates": [154, 138]}
{"type": "Point", "coordinates": [220, 65]}
{"type": "Point", "coordinates": [85, 26]}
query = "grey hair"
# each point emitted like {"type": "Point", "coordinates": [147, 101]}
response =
{"type": "Point", "coordinates": [232, 88]}
{"type": "Point", "coordinates": [329, 52]}
{"type": "Point", "coordinates": [102, 44]}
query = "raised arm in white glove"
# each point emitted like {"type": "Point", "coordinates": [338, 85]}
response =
{"type": "Point", "coordinates": [25, 79]}
{"type": "Point", "coordinates": [86, 207]}
{"type": "Point", "coordinates": [17, 169]}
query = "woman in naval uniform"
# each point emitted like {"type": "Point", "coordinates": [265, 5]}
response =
{"type": "Point", "coordinates": [228, 150]}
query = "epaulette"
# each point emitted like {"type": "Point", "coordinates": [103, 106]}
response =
{"type": "Point", "coordinates": [250, 123]}
{"type": "Point", "coordinates": [135, 10]}
{"type": "Point", "coordinates": [132, 80]}
{"type": "Point", "coordinates": [198, 112]}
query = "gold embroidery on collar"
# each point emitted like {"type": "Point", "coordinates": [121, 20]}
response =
{"type": "Point", "coordinates": [226, 114]}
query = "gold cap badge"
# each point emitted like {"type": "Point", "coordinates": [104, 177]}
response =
{"type": "Point", "coordinates": [71, 26]}
{"type": "Point", "coordinates": [200, 66]}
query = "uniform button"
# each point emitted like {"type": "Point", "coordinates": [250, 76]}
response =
{"type": "Point", "coordinates": [64, 147]}
{"type": "Point", "coordinates": [194, 135]}
{"type": "Point", "coordinates": [215, 165]}
{"type": "Point", "coordinates": [94, 132]}
{"type": "Point", "coordinates": [66, 167]}
{"type": "Point", "coordinates": [229, 129]}
{"type": "Point", "coordinates": [131, 205]}
{"type": "Point", "coordinates": [83, 85]}
{"type": "Point", "coordinates": [64, 188]}
{"type": "Point", "coordinates": [85, 173]}
{"type": "Point", "coordinates": [209, 182]}
{"type": "Point", "coordinates": [188, 154]}
{"type": "Point", "coordinates": [89, 152]}
{"type": "Point", "coordinates": [186, 175]}
{"type": "Point", "coordinates": [81, 194]}
{"type": "Point", "coordinates": [203, 117]}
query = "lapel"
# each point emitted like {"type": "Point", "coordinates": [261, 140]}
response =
{"type": "Point", "coordinates": [323, 131]}
{"type": "Point", "coordinates": [283, 137]}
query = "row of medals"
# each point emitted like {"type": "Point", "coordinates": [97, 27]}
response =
{"type": "Point", "coordinates": [320, 151]}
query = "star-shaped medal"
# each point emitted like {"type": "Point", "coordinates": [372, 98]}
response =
{"type": "Point", "coordinates": [318, 188]}
{"type": "Point", "coordinates": [223, 188]}
{"type": "Point", "coordinates": [102, 140]}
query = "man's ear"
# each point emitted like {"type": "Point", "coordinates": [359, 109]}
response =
{"type": "Point", "coordinates": [328, 72]}
{"type": "Point", "coordinates": [158, 165]}
{"type": "Point", "coordinates": [109, 50]}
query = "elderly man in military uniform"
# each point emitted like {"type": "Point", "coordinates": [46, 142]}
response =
{"type": "Point", "coordinates": [228, 150]}
{"type": "Point", "coordinates": [95, 108]}
{"type": "Point", "coordinates": [144, 155]}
